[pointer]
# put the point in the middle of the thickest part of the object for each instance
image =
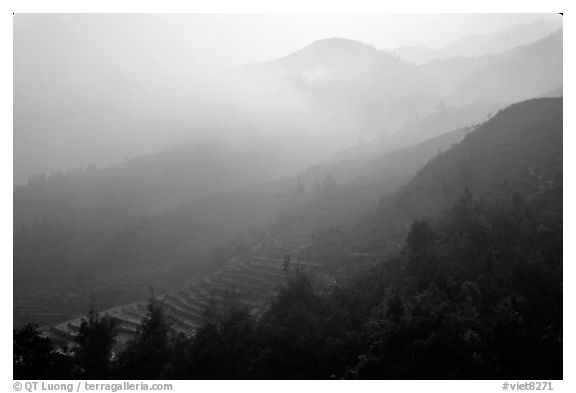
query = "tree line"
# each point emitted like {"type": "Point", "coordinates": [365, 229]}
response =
{"type": "Point", "coordinates": [474, 294]}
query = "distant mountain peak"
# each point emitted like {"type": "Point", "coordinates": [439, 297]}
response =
{"type": "Point", "coordinates": [338, 43]}
{"type": "Point", "coordinates": [333, 51]}
{"type": "Point", "coordinates": [344, 53]}
{"type": "Point", "coordinates": [336, 49]}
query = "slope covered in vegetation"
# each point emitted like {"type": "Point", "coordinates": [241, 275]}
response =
{"type": "Point", "coordinates": [460, 276]}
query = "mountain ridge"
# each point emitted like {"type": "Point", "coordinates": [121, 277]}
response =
{"type": "Point", "coordinates": [476, 45]}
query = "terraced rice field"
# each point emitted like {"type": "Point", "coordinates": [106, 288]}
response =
{"type": "Point", "coordinates": [249, 280]}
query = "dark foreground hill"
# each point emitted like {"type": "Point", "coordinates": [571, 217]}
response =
{"type": "Point", "coordinates": [518, 151]}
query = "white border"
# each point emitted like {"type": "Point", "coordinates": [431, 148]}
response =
{"type": "Point", "coordinates": [295, 6]}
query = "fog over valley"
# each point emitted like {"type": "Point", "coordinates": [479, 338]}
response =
{"type": "Point", "coordinates": [97, 89]}
{"type": "Point", "coordinates": [222, 196]}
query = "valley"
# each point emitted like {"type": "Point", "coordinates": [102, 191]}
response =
{"type": "Point", "coordinates": [322, 209]}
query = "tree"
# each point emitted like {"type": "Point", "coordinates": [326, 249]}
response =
{"type": "Point", "coordinates": [146, 356]}
{"type": "Point", "coordinates": [35, 357]}
{"type": "Point", "coordinates": [96, 337]}
{"type": "Point", "coordinates": [223, 347]}
{"type": "Point", "coordinates": [420, 252]}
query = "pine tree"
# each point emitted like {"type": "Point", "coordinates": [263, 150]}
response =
{"type": "Point", "coordinates": [35, 356]}
{"type": "Point", "coordinates": [96, 337]}
{"type": "Point", "coordinates": [146, 356]}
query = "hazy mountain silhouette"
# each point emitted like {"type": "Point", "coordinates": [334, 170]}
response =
{"type": "Point", "coordinates": [350, 80]}
{"type": "Point", "coordinates": [521, 73]}
{"type": "Point", "coordinates": [138, 241]}
{"type": "Point", "coordinates": [413, 212]}
{"type": "Point", "coordinates": [476, 45]}
{"type": "Point", "coordinates": [426, 127]}
{"type": "Point", "coordinates": [554, 93]}
{"type": "Point", "coordinates": [471, 243]}
{"type": "Point", "coordinates": [178, 205]}
{"type": "Point", "coordinates": [519, 150]}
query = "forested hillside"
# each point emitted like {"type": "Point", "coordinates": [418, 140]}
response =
{"type": "Point", "coordinates": [455, 275]}
{"type": "Point", "coordinates": [71, 248]}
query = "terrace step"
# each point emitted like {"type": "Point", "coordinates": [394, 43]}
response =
{"type": "Point", "coordinates": [243, 286]}
{"type": "Point", "coordinates": [264, 272]}
{"type": "Point", "coordinates": [185, 305]}
{"type": "Point", "coordinates": [252, 277]}
{"type": "Point", "coordinates": [225, 288]}
{"type": "Point", "coordinates": [190, 301]}
{"type": "Point", "coordinates": [181, 314]}
{"type": "Point", "coordinates": [134, 314]}
{"type": "Point", "coordinates": [214, 300]}
{"type": "Point", "coordinates": [59, 335]}
{"type": "Point", "coordinates": [181, 310]}
{"type": "Point", "coordinates": [179, 322]}
{"type": "Point", "coordinates": [249, 280]}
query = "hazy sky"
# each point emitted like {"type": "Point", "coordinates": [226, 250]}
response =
{"type": "Point", "coordinates": [85, 84]}
{"type": "Point", "coordinates": [235, 39]}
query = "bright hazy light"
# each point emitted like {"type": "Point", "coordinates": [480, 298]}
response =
{"type": "Point", "coordinates": [97, 89]}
